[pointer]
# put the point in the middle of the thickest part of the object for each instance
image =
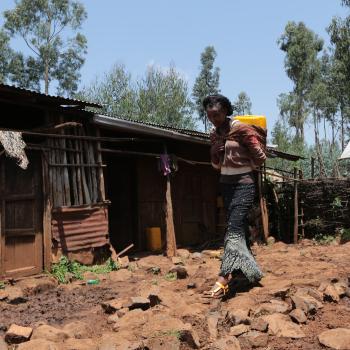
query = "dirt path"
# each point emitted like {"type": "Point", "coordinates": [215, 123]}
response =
{"type": "Point", "coordinates": [181, 318]}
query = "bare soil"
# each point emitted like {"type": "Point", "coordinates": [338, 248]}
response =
{"type": "Point", "coordinates": [285, 266]}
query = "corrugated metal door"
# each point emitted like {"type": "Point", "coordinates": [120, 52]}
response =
{"type": "Point", "coordinates": [21, 217]}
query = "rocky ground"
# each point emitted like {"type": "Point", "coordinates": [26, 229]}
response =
{"type": "Point", "coordinates": [303, 302]}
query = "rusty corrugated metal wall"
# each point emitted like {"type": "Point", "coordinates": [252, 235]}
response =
{"type": "Point", "coordinates": [79, 228]}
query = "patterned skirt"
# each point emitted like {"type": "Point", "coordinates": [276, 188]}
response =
{"type": "Point", "coordinates": [238, 199]}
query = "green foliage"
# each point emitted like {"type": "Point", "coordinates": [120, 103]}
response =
{"type": "Point", "coordinates": [169, 333]}
{"type": "Point", "coordinates": [324, 239]}
{"type": "Point", "coordinates": [301, 46]}
{"type": "Point", "coordinates": [155, 270]}
{"type": "Point", "coordinates": [54, 56]}
{"type": "Point", "coordinates": [242, 104]}
{"type": "Point", "coordinates": [5, 55]}
{"type": "Point", "coordinates": [344, 235]}
{"type": "Point", "coordinates": [114, 91]}
{"type": "Point", "coordinates": [2, 285]}
{"type": "Point", "coordinates": [161, 96]}
{"type": "Point", "coordinates": [171, 276]}
{"type": "Point", "coordinates": [336, 203]}
{"type": "Point", "coordinates": [66, 268]}
{"type": "Point", "coordinates": [207, 82]}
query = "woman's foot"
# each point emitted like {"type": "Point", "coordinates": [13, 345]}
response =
{"type": "Point", "coordinates": [220, 288]}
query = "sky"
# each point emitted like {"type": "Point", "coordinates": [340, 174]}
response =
{"type": "Point", "coordinates": [244, 33]}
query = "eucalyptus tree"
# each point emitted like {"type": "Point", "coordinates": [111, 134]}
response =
{"type": "Point", "coordinates": [45, 26]}
{"type": "Point", "coordinates": [339, 31]}
{"type": "Point", "coordinates": [301, 46]}
{"type": "Point", "coordinates": [242, 105]}
{"type": "Point", "coordinates": [5, 55]}
{"type": "Point", "coordinates": [115, 91]}
{"type": "Point", "coordinates": [163, 97]}
{"type": "Point", "coordinates": [207, 82]}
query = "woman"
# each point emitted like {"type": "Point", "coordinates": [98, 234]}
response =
{"type": "Point", "coordinates": [236, 152]}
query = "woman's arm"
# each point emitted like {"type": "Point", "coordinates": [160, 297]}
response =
{"type": "Point", "coordinates": [250, 140]}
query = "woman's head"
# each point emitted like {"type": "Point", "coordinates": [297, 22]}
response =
{"type": "Point", "coordinates": [217, 107]}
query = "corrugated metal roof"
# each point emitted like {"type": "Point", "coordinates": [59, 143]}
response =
{"type": "Point", "coordinates": [46, 99]}
{"type": "Point", "coordinates": [81, 227]}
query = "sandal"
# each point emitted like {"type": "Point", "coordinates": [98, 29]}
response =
{"type": "Point", "coordinates": [216, 292]}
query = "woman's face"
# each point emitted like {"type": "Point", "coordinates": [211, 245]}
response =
{"type": "Point", "coordinates": [216, 114]}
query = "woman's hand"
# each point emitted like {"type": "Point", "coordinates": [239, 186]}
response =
{"type": "Point", "coordinates": [217, 148]}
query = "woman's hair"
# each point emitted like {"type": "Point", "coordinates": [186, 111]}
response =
{"type": "Point", "coordinates": [220, 99]}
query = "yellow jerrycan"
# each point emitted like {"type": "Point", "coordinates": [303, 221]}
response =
{"type": "Point", "coordinates": [258, 120]}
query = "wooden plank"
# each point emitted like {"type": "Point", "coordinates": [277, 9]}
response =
{"type": "Point", "coordinates": [66, 186]}
{"type": "Point", "coordinates": [47, 207]}
{"type": "Point", "coordinates": [263, 209]}
{"type": "Point", "coordinates": [296, 208]}
{"type": "Point", "coordinates": [101, 182]}
{"type": "Point", "coordinates": [73, 174]}
{"type": "Point", "coordinates": [78, 173]}
{"type": "Point", "coordinates": [87, 199]}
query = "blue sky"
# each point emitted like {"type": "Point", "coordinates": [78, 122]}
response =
{"type": "Point", "coordinates": [243, 32]}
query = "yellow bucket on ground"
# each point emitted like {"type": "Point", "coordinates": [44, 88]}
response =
{"type": "Point", "coordinates": [154, 239]}
{"type": "Point", "coordinates": [259, 120]}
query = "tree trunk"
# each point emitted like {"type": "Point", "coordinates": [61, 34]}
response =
{"type": "Point", "coordinates": [46, 78]}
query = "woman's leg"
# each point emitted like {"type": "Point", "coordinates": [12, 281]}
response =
{"type": "Point", "coordinates": [236, 253]}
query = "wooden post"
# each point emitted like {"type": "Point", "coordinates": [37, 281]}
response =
{"type": "Point", "coordinates": [263, 208]}
{"type": "Point", "coordinates": [312, 167]}
{"type": "Point", "coordinates": [169, 218]}
{"type": "Point", "coordinates": [301, 209]}
{"type": "Point", "coordinates": [296, 209]}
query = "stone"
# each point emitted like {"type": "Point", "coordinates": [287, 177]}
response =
{"type": "Point", "coordinates": [212, 320]}
{"type": "Point", "coordinates": [3, 294]}
{"type": "Point", "coordinates": [139, 303]}
{"type": "Point", "coordinates": [3, 345]}
{"type": "Point", "coordinates": [122, 312]}
{"type": "Point", "coordinates": [113, 319]}
{"type": "Point", "coordinates": [78, 330]}
{"type": "Point", "coordinates": [190, 337]}
{"type": "Point", "coordinates": [213, 254]}
{"type": "Point", "coordinates": [239, 329]}
{"type": "Point", "coordinates": [259, 324]}
{"type": "Point", "coordinates": [275, 306]}
{"type": "Point", "coordinates": [236, 317]}
{"type": "Point", "coordinates": [331, 294]}
{"type": "Point", "coordinates": [257, 339]}
{"type": "Point", "coordinates": [306, 303]}
{"type": "Point", "coordinates": [281, 292]}
{"type": "Point", "coordinates": [298, 316]}
{"type": "Point", "coordinates": [33, 286]}
{"type": "Point", "coordinates": [17, 334]}
{"type": "Point", "coordinates": [338, 338]}
{"type": "Point", "coordinates": [183, 253]}
{"type": "Point", "coordinates": [152, 295]}
{"type": "Point", "coordinates": [111, 306]}
{"type": "Point", "coordinates": [311, 292]}
{"type": "Point", "coordinates": [15, 295]}
{"type": "Point", "coordinates": [192, 285]}
{"type": "Point", "coordinates": [196, 256]}
{"type": "Point", "coordinates": [271, 240]}
{"type": "Point", "coordinates": [39, 344]}
{"type": "Point", "coordinates": [124, 262]}
{"type": "Point", "coordinates": [181, 271]}
{"type": "Point", "coordinates": [341, 288]}
{"type": "Point", "coordinates": [227, 343]}
{"type": "Point", "coordinates": [50, 333]}
{"type": "Point", "coordinates": [79, 344]}
{"type": "Point", "coordinates": [281, 326]}
{"type": "Point", "coordinates": [176, 260]}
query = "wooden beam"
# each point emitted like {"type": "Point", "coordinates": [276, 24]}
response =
{"type": "Point", "coordinates": [296, 208]}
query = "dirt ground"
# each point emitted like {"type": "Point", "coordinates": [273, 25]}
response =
{"type": "Point", "coordinates": [182, 318]}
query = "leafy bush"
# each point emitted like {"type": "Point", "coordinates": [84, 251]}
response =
{"type": "Point", "coordinates": [65, 269]}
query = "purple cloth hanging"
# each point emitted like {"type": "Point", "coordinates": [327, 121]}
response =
{"type": "Point", "coordinates": [165, 164]}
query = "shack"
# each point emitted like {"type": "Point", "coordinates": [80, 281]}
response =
{"type": "Point", "coordinates": [91, 181]}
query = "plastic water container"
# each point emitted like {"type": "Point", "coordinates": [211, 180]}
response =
{"type": "Point", "coordinates": [259, 120]}
{"type": "Point", "coordinates": [154, 239]}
